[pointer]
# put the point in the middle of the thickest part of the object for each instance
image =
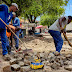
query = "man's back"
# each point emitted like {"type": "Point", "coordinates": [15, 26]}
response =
{"type": "Point", "coordinates": [3, 15]}
{"type": "Point", "coordinates": [16, 22]}
{"type": "Point", "coordinates": [56, 27]}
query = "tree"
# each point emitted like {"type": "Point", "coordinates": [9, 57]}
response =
{"type": "Point", "coordinates": [54, 11]}
{"type": "Point", "coordinates": [31, 9]}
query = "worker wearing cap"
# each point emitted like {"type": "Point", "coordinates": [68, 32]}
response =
{"type": "Point", "coordinates": [16, 23]}
{"type": "Point", "coordinates": [56, 29]}
{"type": "Point", "coordinates": [6, 15]}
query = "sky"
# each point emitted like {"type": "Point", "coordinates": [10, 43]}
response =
{"type": "Point", "coordinates": [68, 10]}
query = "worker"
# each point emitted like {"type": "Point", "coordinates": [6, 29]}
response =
{"type": "Point", "coordinates": [58, 27]}
{"type": "Point", "coordinates": [8, 34]}
{"type": "Point", "coordinates": [9, 38]}
{"type": "Point", "coordinates": [6, 16]}
{"type": "Point", "coordinates": [16, 23]}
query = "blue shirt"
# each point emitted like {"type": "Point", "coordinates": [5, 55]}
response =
{"type": "Point", "coordinates": [10, 15]}
{"type": "Point", "coordinates": [16, 22]}
{"type": "Point", "coordinates": [4, 15]}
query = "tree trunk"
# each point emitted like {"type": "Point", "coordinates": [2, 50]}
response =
{"type": "Point", "coordinates": [34, 19]}
{"type": "Point", "coordinates": [28, 18]}
{"type": "Point", "coordinates": [31, 18]}
{"type": "Point", "coordinates": [11, 1]}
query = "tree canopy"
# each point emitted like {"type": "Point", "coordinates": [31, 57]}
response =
{"type": "Point", "coordinates": [31, 9]}
{"type": "Point", "coordinates": [54, 11]}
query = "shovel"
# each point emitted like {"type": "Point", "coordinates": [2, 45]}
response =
{"type": "Point", "coordinates": [67, 39]}
{"type": "Point", "coordinates": [24, 51]}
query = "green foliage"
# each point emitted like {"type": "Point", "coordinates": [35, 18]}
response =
{"type": "Point", "coordinates": [54, 10]}
{"type": "Point", "coordinates": [31, 9]}
{"type": "Point", "coordinates": [47, 19]}
{"type": "Point", "coordinates": [35, 9]}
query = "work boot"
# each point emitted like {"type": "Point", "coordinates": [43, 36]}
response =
{"type": "Point", "coordinates": [17, 48]}
{"type": "Point", "coordinates": [7, 57]}
{"type": "Point", "coordinates": [11, 53]}
{"type": "Point", "coordinates": [56, 53]}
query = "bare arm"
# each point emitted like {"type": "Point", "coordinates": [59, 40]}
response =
{"type": "Point", "coordinates": [60, 23]}
{"type": "Point", "coordinates": [61, 20]}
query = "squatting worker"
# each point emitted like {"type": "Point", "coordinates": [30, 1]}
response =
{"type": "Point", "coordinates": [58, 27]}
{"type": "Point", "coordinates": [6, 15]}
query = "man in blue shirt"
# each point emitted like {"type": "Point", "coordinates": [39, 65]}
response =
{"type": "Point", "coordinates": [16, 23]}
{"type": "Point", "coordinates": [6, 16]}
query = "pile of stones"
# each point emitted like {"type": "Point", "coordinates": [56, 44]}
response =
{"type": "Point", "coordinates": [51, 61]}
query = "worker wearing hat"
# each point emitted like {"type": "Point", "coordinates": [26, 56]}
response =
{"type": "Point", "coordinates": [6, 16]}
{"type": "Point", "coordinates": [58, 27]}
{"type": "Point", "coordinates": [16, 23]}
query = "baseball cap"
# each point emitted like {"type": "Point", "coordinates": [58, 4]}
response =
{"type": "Point", "coordinates": [15, 5]}
{"type": "Point", "coordinates": [13, 13]}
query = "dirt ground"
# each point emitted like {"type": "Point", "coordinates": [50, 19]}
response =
{"type": "Point", "coordinates": [40, 44]}
{"type": "Point", "coordinates": [46, 43]}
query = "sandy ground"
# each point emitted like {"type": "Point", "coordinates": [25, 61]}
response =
{"type": "Point", "coordinates": [46, 43]}
{"type": "Point", "coordinates": [40, 44]}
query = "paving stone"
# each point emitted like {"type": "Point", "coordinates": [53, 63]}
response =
{"type": "Point", "coordinates": [28, 57]}
{"type": "Point", "coordinates": [15, 67]}
{"type": "Point", "coordinates": [44, 62]}
{"type": "Point", "coordinates": [66, 62]}
{"type": "Point", "coordinates": [30, 54]}
{"type": "Point", "coordinates": [42, 59]}
{"type": "Point", "coordinates": [70, 59]}
{"type": "Point", "coordinates": [19, 58]}
{"type": "Point", "coordinates": [42, 55]}
{"type": "Point", "coordinates": [7, 58]}
{"type": "Point", "coordinates": [32, 71]}
{"type": "Point", "coordinates": [25, 69]}
{"type": "Point", "coordinates": [55, 66]}
{"type": "Point", "coordinates": [31, 59]}
{"type": "Point", "coordinates": [58, 64]}
{"type": "Point", "coordinates": [63, 58]}
{"type": "Point", "coordinates": [56, 53]}
{"type": "Point", "coordinates": [13, 61]}
{"type": "Point", "coordinates": [68, 56]}
{"type": "Point", "coordinates": [20, 52]}
{"type": "Point", "coordinates": [16, 56]}
{"type": "Point", "coordinates": [69, 67]}
{"type": "Point", "coordinates": [35, 53]}
{"type": "Point", "coordinates": [70, 63]}
{"type": "Point", "coordinates": [38, 71]}
{"type": "Point", "coordinates": [7, 69]}
{"type": "Point", "coordinates": [61, 63]}
{"type": "Point", "coordinates": [47, 68]}
{"type": "Point", "coordinates": [35, 57]}
{"type": "Point", "coordinates": [51, 54]}
{"type": "Point", "coordinates": [59, 57]}
{"type": "Point", "coordinates": [47, 63]}
{"type": "Point", "coordinates": [27, 62]}
{"type": "Point", "coordinates": [21, 63]}
{"type": "Point", "coordinates": [52, 59]}
{"type": "Point", "coordinates": [57, 60]}
{"type": "Point", "coordinates": [5, 66]}
{"type": "Point", "coordinates": [38, 55]}
{"type": "Point", "coordinates": [21, 55]}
